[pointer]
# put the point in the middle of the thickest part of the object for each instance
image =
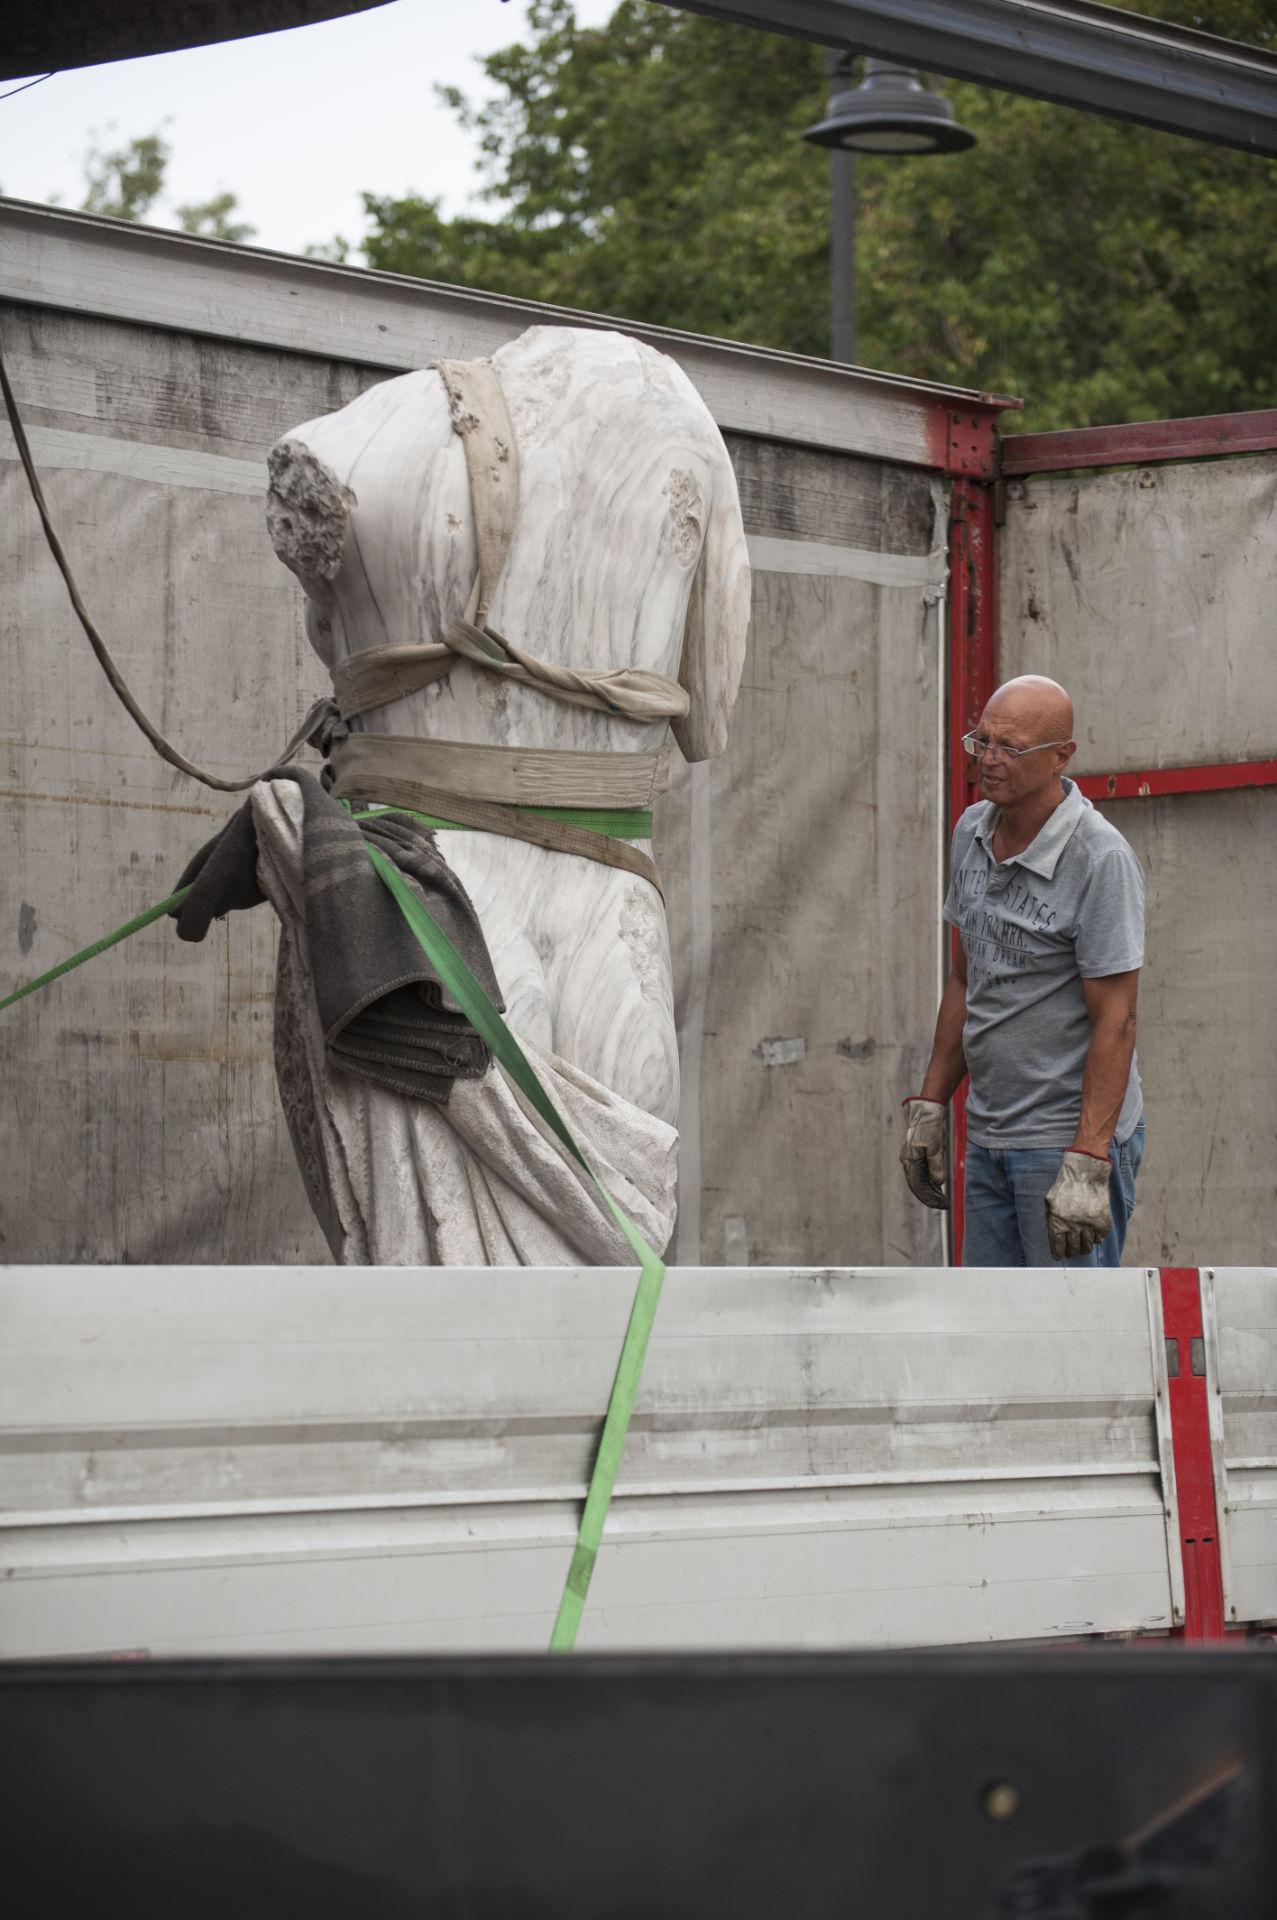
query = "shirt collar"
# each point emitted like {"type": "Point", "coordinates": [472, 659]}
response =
{"type": "Point", "coordinates": [1043, 852]}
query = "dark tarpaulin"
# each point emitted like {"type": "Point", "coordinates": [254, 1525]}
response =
{"type": "Point", "coordinates": [42, 36]}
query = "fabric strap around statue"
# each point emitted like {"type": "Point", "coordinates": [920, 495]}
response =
{"type": "Point", "coordinates": [377, 675]}
{"type": "Point", "coordinates": [510, 776]}
{"type": "Point", "coordinates": [538, 829]}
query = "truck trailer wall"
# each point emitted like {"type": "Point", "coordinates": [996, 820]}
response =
{"type": "Point", "coordinates": [141, 1120]}
{"type": "Point", "coordinates": [1149, 593]}
{"type": "Point", "coordinates": [803, 875]}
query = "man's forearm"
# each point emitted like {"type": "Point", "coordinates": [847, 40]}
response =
{"type": "Point", "coordinates": [1104, 1081]}
{"type": "Point", "coordinates": [948, 1064]}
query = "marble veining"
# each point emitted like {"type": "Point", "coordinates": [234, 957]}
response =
{"type": "Point", "coordinates": [628, 551]}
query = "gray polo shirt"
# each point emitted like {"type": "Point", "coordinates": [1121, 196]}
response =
{"type": "Point", "coordinates": [1069, 908]}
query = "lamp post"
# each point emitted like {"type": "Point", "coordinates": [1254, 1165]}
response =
{"type": "Point", "coordinates": [890, 112]}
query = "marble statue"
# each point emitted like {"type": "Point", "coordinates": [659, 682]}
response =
{"type": "Point", "coordinates": [627, 551]}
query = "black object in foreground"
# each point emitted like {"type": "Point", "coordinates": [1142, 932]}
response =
{"type": "Point", "coordinates": [720, 1787]}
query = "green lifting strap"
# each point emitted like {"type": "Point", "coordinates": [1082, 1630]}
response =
{"type": "Point", "coordinates": [487, 1022]}
{"type": "Point", "coordinates": [99, 946]}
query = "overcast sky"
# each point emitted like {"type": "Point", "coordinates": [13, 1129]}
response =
{"type": "Point", "coordinates": [296, 124]}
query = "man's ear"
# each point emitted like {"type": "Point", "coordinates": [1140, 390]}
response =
{"type": "Point", "coordinates": [1066, 753]}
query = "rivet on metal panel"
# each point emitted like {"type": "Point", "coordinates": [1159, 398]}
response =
{"type": "Point", "coordinates": [973, 445]}
{"type": "Point", "coordinates": [1015, 489]}
{"type": "Point", "coordinates": [1000, 1801]}
{"type": "Point", "coordinates": [1148, 478]}
{"type": "Point", "coordinates": [1197, 1358]}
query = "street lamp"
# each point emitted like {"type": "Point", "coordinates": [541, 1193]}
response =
{"type": "Point", "coordinates": [890, 112]}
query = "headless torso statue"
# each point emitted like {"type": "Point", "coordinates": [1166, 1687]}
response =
{"type": "Point", "coordinates": [625, 552]}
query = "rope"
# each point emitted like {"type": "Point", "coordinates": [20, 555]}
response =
{"type": "Point", "coordinates": [119, 686]}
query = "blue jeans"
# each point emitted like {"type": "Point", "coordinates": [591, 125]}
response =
{"type": "Point", "coordinates": [1006, 1189]}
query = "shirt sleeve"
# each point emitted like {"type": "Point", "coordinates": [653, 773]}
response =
{"type": "Point", "coordinates": [963, 834]}
{"type": "Point", "coordinates": [1110, 916]}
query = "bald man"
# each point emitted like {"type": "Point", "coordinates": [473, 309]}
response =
{"type": "Point", "coordinates": [1048, 900]}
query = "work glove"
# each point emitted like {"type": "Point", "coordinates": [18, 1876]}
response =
{"type": "Point", "coordinates": [924, 1154]}
{"type": "Point", "coordinates": [1077, 1207]}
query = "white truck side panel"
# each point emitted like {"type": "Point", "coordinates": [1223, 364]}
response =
{"type": "Point", "coordinates": [1241, 1328]}
{"type": "Point", "coordinates": [251, 1459]}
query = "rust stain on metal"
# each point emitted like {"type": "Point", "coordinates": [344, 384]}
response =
{"type": "Point", "coordinates": [164, 1047]}
{"type": "Point", "coordinates": [100, 800]}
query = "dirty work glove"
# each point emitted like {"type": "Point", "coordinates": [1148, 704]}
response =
{"type": "Point", "coordinates": [1077, 1207]}
{"type": "Point", "coordinates": [923, 1152]}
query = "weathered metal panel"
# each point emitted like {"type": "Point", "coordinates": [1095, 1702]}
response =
{"type": "Point", "coordinates": [209, 1460]}
{"type": "Point", "coordinates": [50, 258]}
{"type": "Point", "coordinates": [1208, 1024]}
{"type": "Point", "coordinates": [1149, 594]}
{"type": "Point", "coordinates": [143, 1119]}
{"type": "Point", "coordinates": [803, 877]}
{"type": "Point", "coordinates": [1243, 1313]}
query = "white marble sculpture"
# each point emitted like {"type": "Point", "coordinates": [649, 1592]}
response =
{"type": "Point", "coordinates": [628, 552]}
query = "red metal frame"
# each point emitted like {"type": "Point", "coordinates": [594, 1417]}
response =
{"type": "Point", "coordinates": [973, 592]}
{"type": "Point", "coordinates": [963, 442]}
{"type": "Point", "coordinates": [1142, 443]}
{"type": "Point", "coordinates": [1191, 1449]}
{"type": "Point", "coordinates": [1225, 774]}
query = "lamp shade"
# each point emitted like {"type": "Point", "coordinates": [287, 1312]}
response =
{"type": "Point", "coordinates": [890, 112]}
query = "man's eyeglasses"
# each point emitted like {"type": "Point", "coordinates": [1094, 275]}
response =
{"type": "Point", "coordinates": [979, 748]}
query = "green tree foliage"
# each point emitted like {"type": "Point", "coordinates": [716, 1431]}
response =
{"type": "Point", "coordinates": [127, 182]}
{"type": "Point", "coordinates": [215, 219]}
{"type": "Point", "coordinates": [653, 168]}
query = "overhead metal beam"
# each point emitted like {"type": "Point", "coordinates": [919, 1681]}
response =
{"type": "Point", "coordinates": [1071, 52]}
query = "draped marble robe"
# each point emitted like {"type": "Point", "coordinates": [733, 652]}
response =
{"type": "Point", "coordinates": [628, 550]}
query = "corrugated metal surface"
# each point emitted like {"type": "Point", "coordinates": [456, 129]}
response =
{"type": "Point", "coordinates": [1241, 1325]}
{"type": "Point", "coordinates": [281, 1459]}
{"type": "Point", "coordinates": [142, 1122]}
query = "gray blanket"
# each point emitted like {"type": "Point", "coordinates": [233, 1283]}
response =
{"type": "Point", "coordinates": [383, 1011]}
